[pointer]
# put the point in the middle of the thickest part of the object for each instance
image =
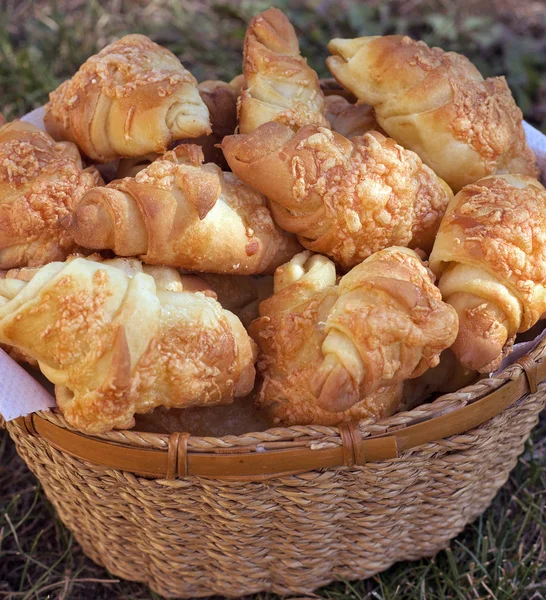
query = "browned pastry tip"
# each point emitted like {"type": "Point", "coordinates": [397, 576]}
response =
{"type": "Point", "coordinates": [278, 83]}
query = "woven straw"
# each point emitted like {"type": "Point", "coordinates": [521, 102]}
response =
{"type": "Point", "coordinates": [196, 536]}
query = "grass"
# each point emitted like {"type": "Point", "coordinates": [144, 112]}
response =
{"type": "Point", "coordinates": [502, 555]}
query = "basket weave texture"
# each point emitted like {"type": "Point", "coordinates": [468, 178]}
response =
{"type": "Point", "coordinates": [198, 536]}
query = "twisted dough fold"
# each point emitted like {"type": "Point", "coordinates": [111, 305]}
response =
{"type": "Point", "coordinates": [40, 183]}
{"type": "Point", "coordinates": [437, 104]}
{"type": "Point", "coordinates": [221, 100]}
{"type": "Point", "coordinates": [182, 213]}
{"type": "Point", "coordinates": [331, 353]}
{"type": "Point", "coordinates": [114, 343]}
{"type": "Point", "coordinates": [279, 84]}
{"type": "Point", "coordinates": [344, 198]}
{"type": "Point", "coordinates": [490, 256]}
{"type": "Point", "coordinates": [132, 98]}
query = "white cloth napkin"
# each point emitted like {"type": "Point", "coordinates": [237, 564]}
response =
{"type": "Point", "coordinates": [21, 394]}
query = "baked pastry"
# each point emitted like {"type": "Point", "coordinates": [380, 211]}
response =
{"type": "Point", "coordinates": [349, 120]}
{"type": "Point", "coordinates": [490, 257]}
{"type": "Point", "coordinates": [279, 84]}
{"type": "Point", "coordinates": [182, 213]}
{"type": "Point", "coordinates": [115, 345]}
{"type": "Point", "coordinates": [336, 353]}
{"type": "Point", "coordinates": [344, 198]}
{"type": "Point", "coordinates": [437, 104]}
{"type": "Point", "coordinates": [240, 294]}
{"type": "Point", "coordinates": [221, 100]}
{"type": "Point", "coordinates": [132, 98]}
{"type": "Point", "coordinates": [40, 183]}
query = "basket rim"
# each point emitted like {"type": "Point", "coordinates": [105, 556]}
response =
{"type": "Point", "coordinates": [285, 451]}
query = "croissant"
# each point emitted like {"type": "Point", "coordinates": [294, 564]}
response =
{"type": "Point", "coordinates": [344, 198]}
{"type": "Point", "coordinates": [349, 120]}
{"type": "Point", "coordinates": [181, 213]}
{"type": "Point", "coordinates": [437, 104]}
{"type": "Point", "coordinates": [490, 257]}
{"type": "Point", "coordinates": [40, 183]}
{"type": "Point", "coordinates": [335, 353]}
{"type": "Point", "coordinates": [221, 101]}
{"type": "Point", "coordinates": [279, 84]}
{"type": "Point", "coordinates": [132, 98]}
{"type": "Point", "coordinates": [115, 345]}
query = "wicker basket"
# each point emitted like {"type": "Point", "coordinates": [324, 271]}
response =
{"type": "Point", "coordinates": [286, 510]}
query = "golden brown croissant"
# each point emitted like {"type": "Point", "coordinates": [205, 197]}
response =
{"type": "Point", "coordinates": [437, 104]}
{"type": "Point", "coordinates": [221, 100]}
{"type": "Point", "coordinates": [115, 345]}
{"type": "Point", "coordinates": [181, 213]}
{"type": "Point", "coordinates": [334, 353]}
{"type": "Point", "coordinates": [279, 84]}
{"type": "Point", "coordinates": [40, 183]}
{"type": "Point", "coordinates": [344, 198]}
{"type": "Point", "coordinates": [349, 120]}
{"type": "Point", "coordinates": [132, 98]}
{"type": "Point", "coordinates": [490, 257]}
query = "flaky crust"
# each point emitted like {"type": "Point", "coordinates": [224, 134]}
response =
{"type": "Point", "coordinates": [279, 84]}
{"type": "Point", "coordinates": [40, 183]}
{"type": "Point", "coordinates": [331, 353]}
{"type": "Point", "coordinates": [132, 98]}
{"type": "Point", "coordinates": [221, 101]}
{"type": "Point", "coordinates": [349, 120]}
{"type": "Point", "coordinates": [344, 198]}
{"type": "Point", "coordinates": [182, 213]}
{"type": "Point", "coordinates": [115, 345]}
{"type": "Point", "coordinates": [490, 254]}
{"type": "Point", "coordinates": [437, 104]}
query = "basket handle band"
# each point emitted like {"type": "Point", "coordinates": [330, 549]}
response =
{"type": "Point", "coordinates": [259, 464]}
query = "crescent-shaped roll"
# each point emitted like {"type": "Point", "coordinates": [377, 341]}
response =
{"type": "Point", "coordinates": [221, 100]}
{"type": "Point", "coordinates": [40, 183]}
{"type": "Point", "coordinates": [344, 198]}
{"type": "Point", "coordinates": [437, 104]}
{"type": "Point", "coordinates": [279, 84]}
{"type": "Point", "coordinates": [331, 353]}
{"type": "Point", "coordinates": [349, 120]}
{"type": "Point", "coordinates": [115, 344]}
{"type": "Point", "coordinates": [490, 257]}
{"type": "Point", "coordinates": [182, 213]}
{"type": "Point", "coordinates": [132, 98]}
